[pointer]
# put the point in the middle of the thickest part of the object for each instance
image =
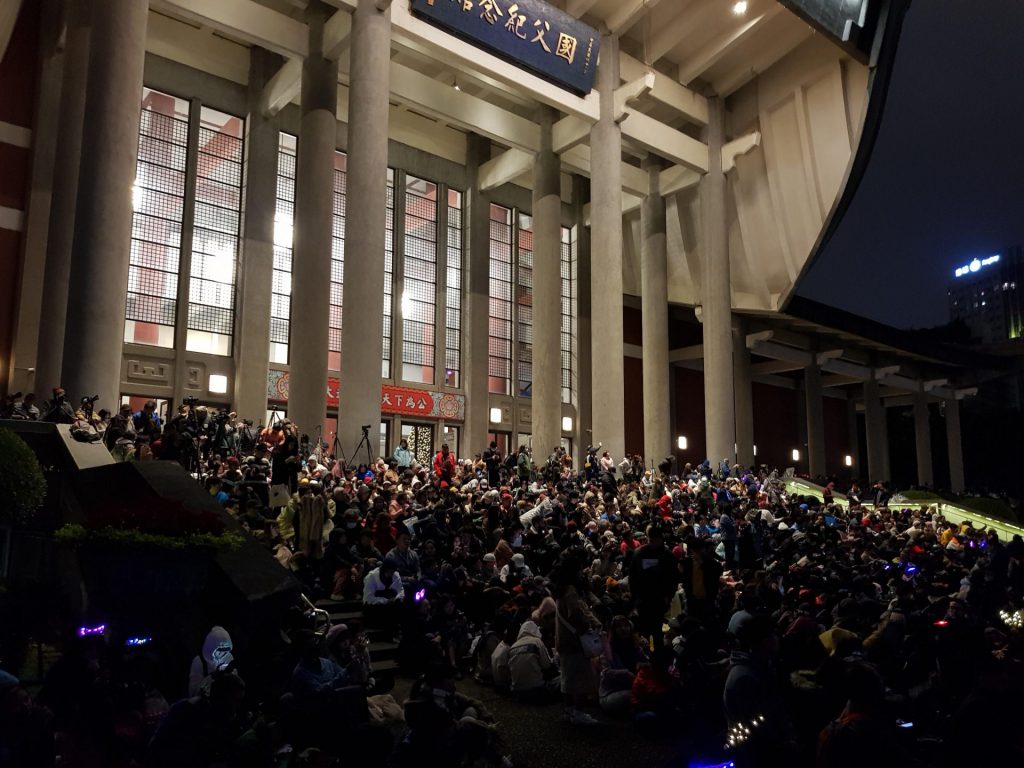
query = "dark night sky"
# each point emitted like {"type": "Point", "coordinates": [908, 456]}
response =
{"type": "Point", "coordinates": [946, 180]}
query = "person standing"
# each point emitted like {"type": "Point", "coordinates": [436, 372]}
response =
{"type": "Point", "coordinates": [403, 456]}
{"type": "Point", "coordinates": [492, 461]}
{"type": "Point", "coordinates": [573, 618]}
{"type": "Point", "coordinates": [653, 577]}
{"type": "Point", "coordinates": [444, 465]}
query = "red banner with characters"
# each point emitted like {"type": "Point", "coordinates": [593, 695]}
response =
{"type": "Point", "coordinates": [404, 401]}
{"type": "Point", "coordinates": [408, 402]}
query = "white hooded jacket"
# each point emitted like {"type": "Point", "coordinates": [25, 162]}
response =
{"type": "Point", "coordinates": [217, 648]}
{"type": "Point", "coordinates": [528, 659]}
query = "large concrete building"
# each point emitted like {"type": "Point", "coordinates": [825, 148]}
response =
{"type": "Point", "coordinates": [343, 211]}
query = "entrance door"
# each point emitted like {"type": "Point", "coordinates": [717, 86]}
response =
{"type": "Point", "coordinates": [420, 438]}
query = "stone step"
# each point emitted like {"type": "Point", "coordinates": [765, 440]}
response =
{"type": "Point", "coordinates": [382, 650]}
{"type": "Point", "coordinates": [384, 665]}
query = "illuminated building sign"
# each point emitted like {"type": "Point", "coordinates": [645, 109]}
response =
{"type": "Point", "coordinates": [850, 23]}
{"type": "Point", "coordinates": [527, 33]}
{"type": "Point", "coordinates": [975, 265]}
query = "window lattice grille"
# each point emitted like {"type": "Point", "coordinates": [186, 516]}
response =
{"type": "Point", "coordinates": [499, 341]}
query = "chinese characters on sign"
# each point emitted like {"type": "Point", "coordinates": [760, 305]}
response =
{"type": "Point", "coordinates": [527, 33]}
{"type": "Point", "coordinates": [404, 401]}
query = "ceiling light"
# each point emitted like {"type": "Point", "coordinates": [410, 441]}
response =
{"type": "Point", "coordinates": [739, 8]}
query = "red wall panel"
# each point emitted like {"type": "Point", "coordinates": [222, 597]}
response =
{"type": "Point", "coordinates": [837, 437]}
{"type": "Point", "coordinates": [775, 424]}
{"type": "Point", "coordinates": [688, 388]}
{"type": "Point", "coordinates": [632, 326]}
{"type": "Point", "coordinates": [633, 392]}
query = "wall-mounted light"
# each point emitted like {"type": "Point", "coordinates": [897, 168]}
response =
{"type": "Point", "coordinates": [681, 442]}
{"type": "Point", "coordinates": [740, 8]}
{"type": "Point", "coordinates": [848, 460]}
{"type": "Point", "coordinates": [218, 383]}
{"type": "Point", "coordinates": [796, 455]}
{"type": "Point", "coordinates": [755, 449]}
{"type": "Point", "coordinates": [567, 423]}
{"type": "Point", "coordinates": [495, 415]}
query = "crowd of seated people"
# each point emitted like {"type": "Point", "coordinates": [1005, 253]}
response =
{"type": "Point", "coordinates": [702, 602]}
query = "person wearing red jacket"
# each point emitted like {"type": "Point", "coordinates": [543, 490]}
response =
{"type": "Point", "coordinates": [444, 465]}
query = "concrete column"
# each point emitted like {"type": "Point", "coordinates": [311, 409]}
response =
{"type": "Point", "coordinates": [877, 433]}
{"type": "Point", "coordinates": [361, 339]}
{"type": "Point", "coordinates": [654, 310]}
{"type": "Point", "coordinates": [103, 218]}
{"type": "Point", "coordinates": [743, 396]}
{"type": "Point", "coordinates": [19, 372]}
{"type": "Point", "coordinates": [716, 297]}
{"type": "Point", "coordinates": [816, 461]}
{"type": "Point", "coordinates": [52, 322]}
{"type": "Point", "coordinates": [477, 299]}
{"type": "Point", "coordinates": [923, 440]}
{"type": "Point", "coordinates": [314, 218]}
{"type": "Point", "coordinates": [608, 406]}
{"type": "Point", "coordinates": [546, 405]}
{"type": "Point", "coordinates": [956, 450]}
{"type": "Point", "coordinates": [256, 272]}
{"type": "Point", "coordinates": [584, 423]}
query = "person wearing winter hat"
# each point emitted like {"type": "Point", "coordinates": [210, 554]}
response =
{"type": "Point", "coordinates": [216, 656]}
{"type": "Point", "coordinates": [530, 665]}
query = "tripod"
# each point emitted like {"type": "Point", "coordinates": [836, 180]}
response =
{"type": "Point", "coordinates": [363, 441]}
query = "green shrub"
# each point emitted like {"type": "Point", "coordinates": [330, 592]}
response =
{"type": "Point", "coordinates": [919, 496]}
{"type": "Point", "coordinates": [22, 485]}
{"type": "Point", "coordinates": [986, 505]}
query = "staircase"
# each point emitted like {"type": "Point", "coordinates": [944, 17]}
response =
{"type": "Point", "coordinates": [382, 650]}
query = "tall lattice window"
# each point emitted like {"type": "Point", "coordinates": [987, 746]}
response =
{"type": "Point", "coordinates": [568, 325]}
{"type": "Point", "coordinates": [284, 222]}
{"type": "Point", "coordinates": [453, 292]}
{"type": "Point", "coordinates": [158, 202]}
{"type": "Point", "coordinates": [524, 307]}
{"type": "Point", "coordinates": [389, 276]}
{"type": "Point", "coordinates": [419, 286]}
{"type": "Point", "coordinates": [499, 333]}
{"type": "Point", "coordinates": [215, 233]}
{"type": "Point", "coordinates": [337, 261]}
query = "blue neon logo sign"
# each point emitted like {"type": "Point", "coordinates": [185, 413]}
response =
{"type": "Point", "coordinates": [975, 265]}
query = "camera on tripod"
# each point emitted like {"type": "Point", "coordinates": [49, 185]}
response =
{"type": "Point", "coordinates": [366, 428]}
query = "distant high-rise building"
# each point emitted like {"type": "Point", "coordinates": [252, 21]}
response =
{"type": "Point", "coordinates": [987, 293]}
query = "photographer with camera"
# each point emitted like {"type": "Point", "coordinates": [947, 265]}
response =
{"type": "Point", "coordinates": [59, 410]}
{"type": "Point", "coordinates": [119, 436]}
{"type": "Point", "coordinates": [86, 426]}
{"type": "Point", "coordinates": [285, 463]}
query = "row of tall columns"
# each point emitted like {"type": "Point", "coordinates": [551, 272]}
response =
{"type": "Point", "coordinates": [103, 216]}
{"type": "Point", "coordinates": [815, 408]}
{"type": "Point", "coordinates": [362, 344]}
{"type": "Point", "coordinates": [955, 446]}
{"type": "Point", "coordinates": [57, 269]}
{"type": "Point", "coordinates": [876, 432]}
{"type": "Point", "coordinates": [256, 276]}
{"type": "Point", "coordinates": [654, 310]}
{"type": "Point", "coordinates": [923, 439]}
{"type": "Point", "coordinates": [314, 211]}
{"type": "Point", "coordinates": [477, 300]}
{"type": "Point", "coordinates": [743, 395]}
{"type": "Point", "coordinates": [716, 296]}
{"type": "Point", "coordinates": [546, 401]}
{"type": "Point", "coordinates": [607, 379]}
